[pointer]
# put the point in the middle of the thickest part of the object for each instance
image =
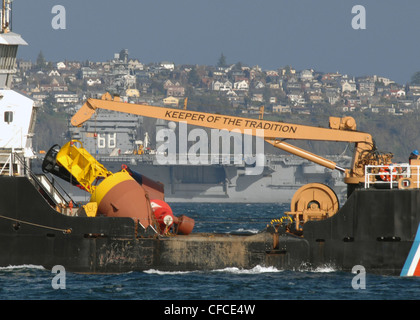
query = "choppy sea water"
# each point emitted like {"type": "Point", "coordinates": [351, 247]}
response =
{"type": "Point", "coordinates": [260, 283]}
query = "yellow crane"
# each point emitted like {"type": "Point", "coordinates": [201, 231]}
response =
{"type": "Point", "coordinates": [275, 133]}
{"type": "Point", "coordinates": [310, 202]}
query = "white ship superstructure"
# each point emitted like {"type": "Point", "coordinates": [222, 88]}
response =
{"type": "Point", "coordinates": [17, 112]}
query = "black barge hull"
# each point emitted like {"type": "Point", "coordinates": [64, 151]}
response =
{"type": "Point", "coordinates": [374, 229]}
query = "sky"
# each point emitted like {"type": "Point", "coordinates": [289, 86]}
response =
{"type": "Point", "coordinates": [304, 34]}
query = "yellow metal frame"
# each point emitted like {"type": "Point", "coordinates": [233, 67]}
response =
{"type": "Point", "coordinates": [81, 164]}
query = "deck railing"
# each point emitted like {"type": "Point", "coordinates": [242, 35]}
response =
{"type": "Point", "coordinates": [390, 175]}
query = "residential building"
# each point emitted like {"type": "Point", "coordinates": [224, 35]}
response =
{"type": "Point", "coordinates": [167, 65]}
{"type": "Point", "coordinates": [61, 65]}
{"type": "Point", "coordinates": [241, 85]}
{"type": "Point", "coordinates": [349, 86]}
{"type": "Point", "coordinates": [87, 72]}
{"type": "Point", "coordinates": [66, 98]}
{"type": "Point", "coordinates": [93, 82]}
{"type": "Point", "coordinates": [132, 93]}
{"type": "Point", "coordinates": [175, 91]}
{"type": "Point", "coordinates": [221, 85]}
{"type": "Point", "coordinates": [366, 88]}
{"type": "Point", "coordinates": [24, 65]}
{"type": "Point", "coordinates": [414, 90]}
{"type": "Point", "coordinates": [171, 101]}
{"type": "Point", "coordinates": [282, 109]}
{"type": "Point", "coordinates": [306, 75]}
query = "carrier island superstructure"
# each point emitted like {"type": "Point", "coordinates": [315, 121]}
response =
{"type": "Point", "coordinates": [117, 139]}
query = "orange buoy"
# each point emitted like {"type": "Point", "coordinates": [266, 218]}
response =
{"type": "Point", "coordinates": [119, 195]}
{"type": "Point", "coordinates": [163, 214]}
{"type": "Point", "coordinates": [166, 219]}
{"type": "Point", "coordinates": [185, 225]}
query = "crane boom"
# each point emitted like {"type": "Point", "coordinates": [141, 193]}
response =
{"type": "Point", "coordinates": [341, 130]}
{"type": "Point", "coordinates": [272, 129]}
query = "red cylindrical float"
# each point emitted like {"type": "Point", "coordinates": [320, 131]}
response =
{"type": "Point", "coordinates": [185, 225]}
{"type": "Point", "coordinates": [163, 214]}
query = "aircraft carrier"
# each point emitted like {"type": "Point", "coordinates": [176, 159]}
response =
{"type": "Point", "coordinates": [117, 139]}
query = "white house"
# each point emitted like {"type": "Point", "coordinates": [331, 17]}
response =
{"type": "Point", "coordinates": [66, 98]}
{"type": "Point", "coordinates": [93, 82]}
{"type": "Point", "coordinates": [241, 85]}
{"type": "Point", "coordinates": [54, 73]}
{"type": "Point", "coordinates": [259, 85]}
{"type": "Point", "coordinates": [281, 109]}
{"type": "Point", "coordinates": [221, 86]}
{"type": "Point", "coordinates": [349, 86]}
{"type": "Point", "coordinates": [398, 93]}
{"type": "Point", "coordinates": [135, 65]}
{"type": "Point", "coordinates": [61, 65]}
{"type": "Point", "coordinates": [306, 75]}
{"type": "Point", "coordinates": [167, 65]}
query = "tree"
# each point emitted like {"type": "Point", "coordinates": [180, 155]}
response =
{"type": "Point", "coordinates": [193, 77]}
{"type": "Point", "coordinates": [157, 87]}
{"type": "Point", "coordinates": [415, 78]}
{"type": "Point", "coordinates": [222, 61]}
{"type": "Point", "coordinates": [40, 61]}
{"type": "Point", "coordinates": [238, 66]}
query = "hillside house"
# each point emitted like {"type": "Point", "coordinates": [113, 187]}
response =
{"type": "Point", "coordinates": [399, 93]}
{"type": "Point", "coordinates": [61, 65]}
{"type": "Point", "coordinates": [66, 98]}
{"type": "Point", "coordinates": [306, 75]}
{"type": "Point", "coordinates": [87, 72]}
{"type": "Point", "coordinates": [132, 93]}
{"type": "Point", "coordinates": [93, 82]}
{"type": "Point", "coordinates": [241, 85]}
{"type": "Point", "coordinates": [349, 86]}
{"type": "Point", "coordinates": [221, 85]}
{"type": "Point", "coordinates": [171, 101]}
{"type": "Point", "coordinates": [258, 97]}
{"type": "Point", "coordinates": [167, 65]}
{"type": "Point", "coordinates": [135, 65]}
{"type": "Point", "coordinates": [385, 81]}
{"type": "Point", "coordinates": [414, 90]}
{"type": "Point", "coordinates": [54, 73]}
{"type": "Point", "coordinates": [24, 65]}
{"type": "Point", "coordinates": [366, 88]}
{"type": "Point", "coordinates": [281, 109]}
{"type": "Point", "coordinates": [259, 85]}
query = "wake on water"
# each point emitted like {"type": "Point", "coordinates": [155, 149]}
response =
{"type": "Point", "coordinates": [255, 270]}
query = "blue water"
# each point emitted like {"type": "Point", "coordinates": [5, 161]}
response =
{"type": "Point", "coordinates": [260, 283]}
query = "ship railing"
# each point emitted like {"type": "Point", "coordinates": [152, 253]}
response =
{"type": "Point", "coordinates": [183, 158]}
{"type": "Point", "coordinates": [49, 185]}
{"type": "Point", "coordinates": [390, 175]}
{"type": "Point", "coordinates": [7, 167]}
{"type": "Point", "coordinates": [8, 163]}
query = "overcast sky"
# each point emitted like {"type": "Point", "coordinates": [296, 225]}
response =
{"type": "Point", "coordinates": [269, 33]}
